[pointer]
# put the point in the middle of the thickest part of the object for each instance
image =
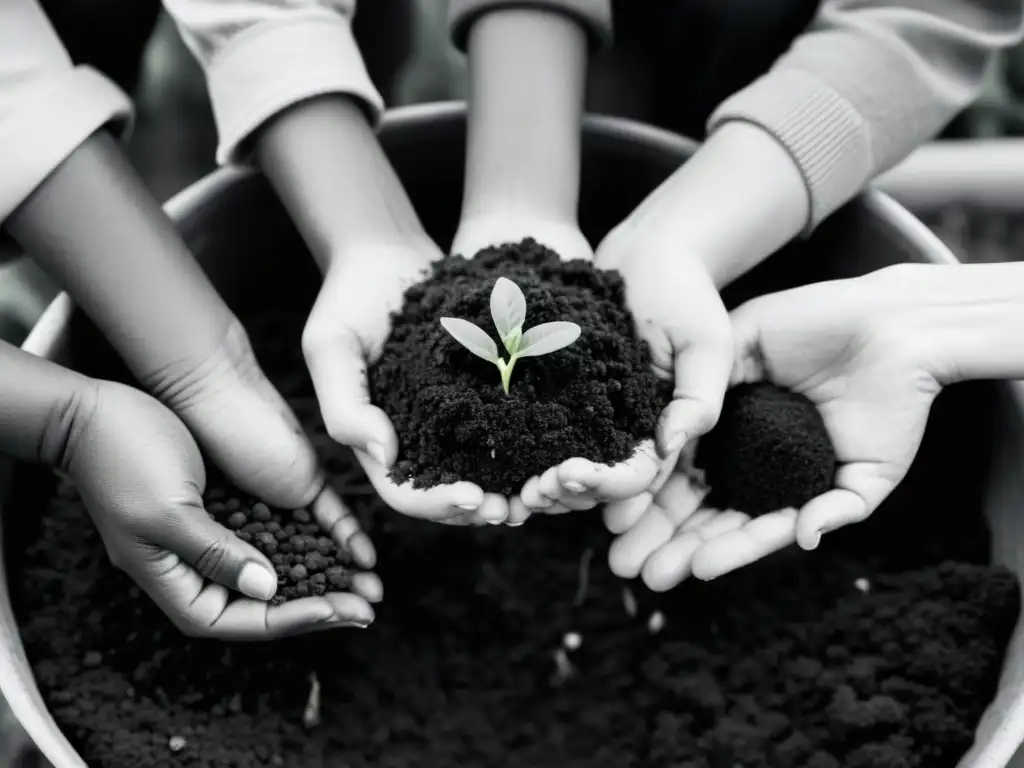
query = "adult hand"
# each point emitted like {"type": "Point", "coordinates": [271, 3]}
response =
{"type": "Point", "coordinates": [344, 334]}
{"type": "Point", "coordinates": [862, 351]}
{"type": "Point", "coordinates": [141, 477]}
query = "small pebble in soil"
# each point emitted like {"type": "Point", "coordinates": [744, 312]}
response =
{"type": "Point", "coordinates": [448, 407]}
{"type": "Point", "coordinates": [572, 641]}
{"type": "Point", "coordinates": [656, 622]}
{"type": "Point", "coordinates": [177, 743]}
{"type": "Point", "coordinates": [769, 451]}
{"type": "Point", "coordinates": [862, 585]}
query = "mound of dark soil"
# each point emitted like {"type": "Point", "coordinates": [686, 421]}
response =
{"type": "Point", "coordinates": [308, 561]}
{"type": "Point", "coordinates": [769, 451]}
{"type": "Point", "coordinates": [597, 398]}
{"type": "Point", "coordinates": [498, 647]}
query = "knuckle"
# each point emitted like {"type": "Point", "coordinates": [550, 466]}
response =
{"type": "Point", "coordinates": [213, 559]}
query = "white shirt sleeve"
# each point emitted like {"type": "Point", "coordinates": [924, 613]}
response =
{"type": "Point", "coordinates": [48, 107]}
{"type": "Point", "coordinates": [263, 56]}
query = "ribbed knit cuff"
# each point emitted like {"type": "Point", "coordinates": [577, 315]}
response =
{"type": "Point", "coordinates": [279, 63]}
{"type": "Point", "coordinates": [594, 15]}
{"type": "Point", "coordinates": [826, 137]}
{"type": "Point", "coordinates": [49, 123]}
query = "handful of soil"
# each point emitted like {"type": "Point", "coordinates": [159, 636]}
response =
{"type": "Point", "coordinates": [597, 399]}
{"type": "Point", "coordinates": [307, 560]}
{"type": "Point", "coordinates": [769, 451]}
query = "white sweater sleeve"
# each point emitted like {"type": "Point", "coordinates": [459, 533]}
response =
{"type": "Point", "coordinates": [48, 107]}
{"type": "Point", "coordinates": [869, 82]}
{"type": "Point", "coordinates": [263, 56]}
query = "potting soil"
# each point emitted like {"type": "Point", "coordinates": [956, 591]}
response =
{"type": "Point", "coordinates": [502, 647]}
{"type": "Point", "coordinates": [597, 398]}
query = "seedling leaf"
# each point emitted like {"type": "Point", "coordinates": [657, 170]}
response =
{"type": "Point", "coordinates": [547, 337]}
{"type": "Point", "coordinates": [508, 309]}
{"type": "Point", "coordinates": [472, 337]}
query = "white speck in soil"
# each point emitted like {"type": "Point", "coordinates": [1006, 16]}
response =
{"type": "Point", "coordinates": [492, 453]}
{"type": "Point", "coordinates": [311, 715]}
{"type": "Point", "coordinates": [862, 584]}
{"type": "Point", "coordinates": [563, 667]}
{"type": "Point", "coordinates": [656, 623]}
{"type": "Point", "coordinates": [629, 601]}
{"type": "Point", "coordinates": [177, 743]}
{"type": "Point", "coordinates": [572, 641]}
{"type": "Point", "coordinates": [583, 578]}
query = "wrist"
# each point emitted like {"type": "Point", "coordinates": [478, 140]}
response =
{"type": "Point", "coordinates": [962, 322]}
{"type": "Point", "coordinates": [325, 162]}
{"type": "Point", "coordinates": [739, 199]}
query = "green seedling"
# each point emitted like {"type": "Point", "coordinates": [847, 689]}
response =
{"type": "Point", "coordinates": [508, 310]}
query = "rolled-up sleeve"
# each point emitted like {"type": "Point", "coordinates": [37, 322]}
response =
{"type": "Point", "coordinates": [48, 107]}
{"type": "Point", "coordinates": [871, 81]}
{"type": "Point", "coordinates": [594, 15]}
{"type": "Point", "coordinates": [263, 56]}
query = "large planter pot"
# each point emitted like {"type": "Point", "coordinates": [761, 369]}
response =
{"type": "Point", "coordinates": [243, 239]}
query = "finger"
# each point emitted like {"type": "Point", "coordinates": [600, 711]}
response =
{"type": "Point", "coordinates": [630, 551]}
{"type": "Point", "coordinates": [670, 564]}
{"type": "Point", "coordinates": [757, 539]}
{"type": "Point", "coordinates": [748, 362]}
{"type": "Point", "coordinates": [617, 481]}
{"type": "Point", "coordinates": [722, 523]}
{"type": "Point", "coordinates": [680, 497]}
{"type": "Point", "coordinates": [517, 512]}
{"type": "Point", "coordinates": [549, 486]}
{"type": "Point", "coordinates": [337, 366]}
{"type": "Point", "coordinates": [205, 609]}
{"type": "Point", "coordinates": [701, 377]}
{"type": "Point", "coordinates": [532, 497]}
{"type": "Point", "coordinates": [368, 586]}
{"type": "Point", "coordinates": [337, 519]}
{"type": "Point", "coordinates": [620, 516]}
{"type": "Point", "coordinates": [214, 552]}
{"type": "Point", "coordinates": [860, 489]}
{"type": "Point", "coordinates": [437, 503]}
{"type": "Point", "coordinates": [493, 510]}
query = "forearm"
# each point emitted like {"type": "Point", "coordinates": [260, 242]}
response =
{"type": "Point", "coordinates": [325, 162]}
{"type": "Point", "coordinates": [38, 400]}
{"type": "Point", "coordinates": [734, 203]}
{"type": "Point", "coordinates": [96, 229]}
{"type": "Point", "coordinates": [527, 74]}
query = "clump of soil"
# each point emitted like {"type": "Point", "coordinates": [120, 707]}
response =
{"type": "Point", "coordinates": [597, 398]}
{"type": "Point", "coordinates": [769, 451]}
{"type": "Point", "coordinates": [498, 648]}
{"type": "Point", "coordinates": [307, 560]}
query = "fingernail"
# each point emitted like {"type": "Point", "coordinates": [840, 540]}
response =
{"type": "Point", "coordinates": [575, 487]}
{"type": "Point", "coordinates": [377, 453]}
{"type": "Point", "coordinates": [515, 525]}
{"type": "Point", "coordinates": [814, 542]}
{"type": "Point", "coordinates": [469, 506]}
{"type": "Point", "coordinates": [257, 582]}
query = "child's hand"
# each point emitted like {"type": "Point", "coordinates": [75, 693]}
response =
{"type": "Point", "coordinates": [681, 316]}
{"type": "Point", "coordinates": [141, 477]}
{"type": "Point", "coordinates": [345, 333]}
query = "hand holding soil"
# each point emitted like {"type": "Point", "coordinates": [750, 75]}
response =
{"type": "Point", "coordinates": [345, 333]}
{"type": "Point", "coordinates": [141, 477]}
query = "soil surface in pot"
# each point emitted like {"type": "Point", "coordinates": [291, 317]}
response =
{"type": "Point", "coordinates": [597, 398]}
{"type": "Point", "coordinates": [503, 647]}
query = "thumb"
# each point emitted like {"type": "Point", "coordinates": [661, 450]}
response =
{"type": "Point", "coordinates": [859, 490]}
{"type": "Point", "coordinates": [337, 366]}
{"type": "Point", "coordinates": [748, 360]}
{"type": "Point", "coordinates": [701, 370]}
{"type": "Point", "coordinates": [215, 552]}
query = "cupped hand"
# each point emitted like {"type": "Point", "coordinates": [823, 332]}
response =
{"type": "Point", "coordinates": [345, 333]}
{"type": "Point", "coordinates": [854, 350]}
{"type": "Point", "coordinates": [141, 477]}
{"type": "Point", "coordinates": [577, 483]}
